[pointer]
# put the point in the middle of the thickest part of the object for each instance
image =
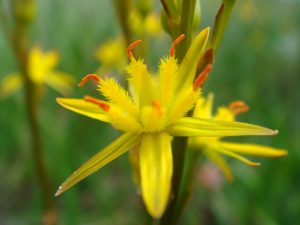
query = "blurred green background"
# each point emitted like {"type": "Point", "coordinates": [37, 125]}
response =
{"type": "Point", "coordinates": [258, 62]}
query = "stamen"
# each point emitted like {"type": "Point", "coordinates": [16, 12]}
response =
{"type": "Point", "coordinates": [103, 105]}
{"type": "Point", "coordinates": [238, 107]}
{"type": "Point", "coordinates": [132, 46]}
{"type": "Point", "coordinates": [88, 77]}
{"type": "Point", "coordinates": [201, 78]}
{"type": "Point", "coordinates": [157, 107]}
{"type": "Point", "coordinates": [176, 42]}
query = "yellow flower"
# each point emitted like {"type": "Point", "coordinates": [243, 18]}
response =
{"type": "Point", "coordinates": [41, 71]}
{"type": "Point", "coordinates": [144, 25]}
{"type": "Point", "coordinates": [110, 55]}
{"type": "Point", "coordinates": [215, 147]}
{"type": "Point", "coordinates": [149, 116]}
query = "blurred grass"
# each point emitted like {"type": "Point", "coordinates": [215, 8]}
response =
{"type": "Point", "coordinates": [258, 62]}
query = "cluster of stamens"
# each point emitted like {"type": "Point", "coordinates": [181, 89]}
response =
{"type": "Point", "coordinates": [198, 82]}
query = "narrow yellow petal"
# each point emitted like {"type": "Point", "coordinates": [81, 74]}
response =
{"type": "Point", "coordinates": [60, 81]}
{"type": "Point", "coordinates": [220, 162]}
{"type": "Point", "coordinates": [183, 103]}
{"type": "Point", "coordinates": [188, 126]}
{"type": "Point", "coordinates": [187, 68]}
{"type": "Point", "coordinates": [10, 84]}
{"type": "Point", "coordinates": [83, 107]}
{"type": "Point", "coordinates": [237, 156]}
{"type": "Point", "coordinates": [115, 94]}
{"type": "Point", "coordinates": [156, 171]}
{"type": "Point", "coordinates": [105, 156]}
{"type": "Point", "coordinates": [252, 149]}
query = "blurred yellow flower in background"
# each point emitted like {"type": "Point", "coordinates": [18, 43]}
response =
{"type": "Point", "coordinates": [144, 25]}
{"type": "Point", "coordinates": [41, 70]}
{"type": "Point", "coordinates": [215, 147]}
{"type": "Point", "coordinates": [111, 56]}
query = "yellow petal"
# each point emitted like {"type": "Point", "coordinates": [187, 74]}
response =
{"type": "Point", "coordinates": [105, 156]}
{"type": "Point", "coordinates": [237, 156]}
{"type": "Point", "coordinates": [187, 68]}
{"type": "Point", "coordinates": [10, 84]}
{"type": "Point", "coordinates": [156, 171]}
{"type": "Point", "coordinates": [252, 149]}
{"type": "Point", "coordinates": [61, 82]}
{"type": "Point", "coordinates": [183, 103]}
{"type": "Point", "coordinates": [220, 162]}
{"type": "Point", "coordinates": [188, 126]}
{"type": "Point", "coordinates": [83, 107]}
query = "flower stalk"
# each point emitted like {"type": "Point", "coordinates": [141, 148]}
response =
{"type": "Point", "coordinates": [179, 143]}
{"type": "Point", "coordinates": [23, 13]}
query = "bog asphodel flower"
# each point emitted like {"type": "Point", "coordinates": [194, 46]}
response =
{"type": "Point", "coordinates": [215, 147]}
{"type": "Point", "coordinates": [150, 114]}
{"type": "Point", "coordinates": [111, 55]}
{"type": "Point", "coordinates": [41, 70]}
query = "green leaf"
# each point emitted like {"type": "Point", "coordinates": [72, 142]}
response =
{"type": "Point", "coordinates": [221, 22]}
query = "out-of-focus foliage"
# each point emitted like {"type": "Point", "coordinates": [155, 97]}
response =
{"type": "Point", "coordinates": [257, 62]}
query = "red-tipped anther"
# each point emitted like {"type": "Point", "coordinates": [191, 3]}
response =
{"type": "Point", "coordinates": [157, 107]}
{"type": "Point", "coordinates": [88, 77]}
{"type": "Point", "coordinates": [103, 105]}
{"type": "Point", "coordinates": [176, 42]}
{"type": "Point", "coordinates": [238, 107]}
{"type": "Point", "coordinates": [201, 78]}
{"type": "Point", "coordinates": [132, 46]}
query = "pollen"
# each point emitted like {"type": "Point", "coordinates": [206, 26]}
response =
{"type": "Point", "coordinates": [238, 107]}
{"type": "Point", "coordinates": [103, 105]}
{"type": "Point", "coordinates": [132, 46]}
{"type": "Point", "coordinates": [176, 42]}
{"type": "Point", "coordinates": [88, 77]}
{"type": "Point", "coordinates": [201, 78]}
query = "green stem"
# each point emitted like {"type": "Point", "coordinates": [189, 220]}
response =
{"type": "Point", "coordinates": [18, 41]}
{"type": "Point", "coordinates": [122, 9]}
{"type": "Point", "coordinates": [186, 26]}
{"type": "Point", "coordinates": [187, 184]}
{"type": "Point", "coordinates": [179, 143]}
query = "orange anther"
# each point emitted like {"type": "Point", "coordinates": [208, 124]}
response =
{"type": "Point", "coordinates": [201, 78]}
{"type": "Point", "coordinates": [103, 105]}
{"type": "Point", "coordinates": [132, 46]}
{"type": "Point", "coordinates": [238, 107]}
{"type": "Point", "coordinates": [157, 107]}
{"type": "Point", "coordinates": [88, 77]}
{"type": "Point", "coordinates": [176, 42]}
